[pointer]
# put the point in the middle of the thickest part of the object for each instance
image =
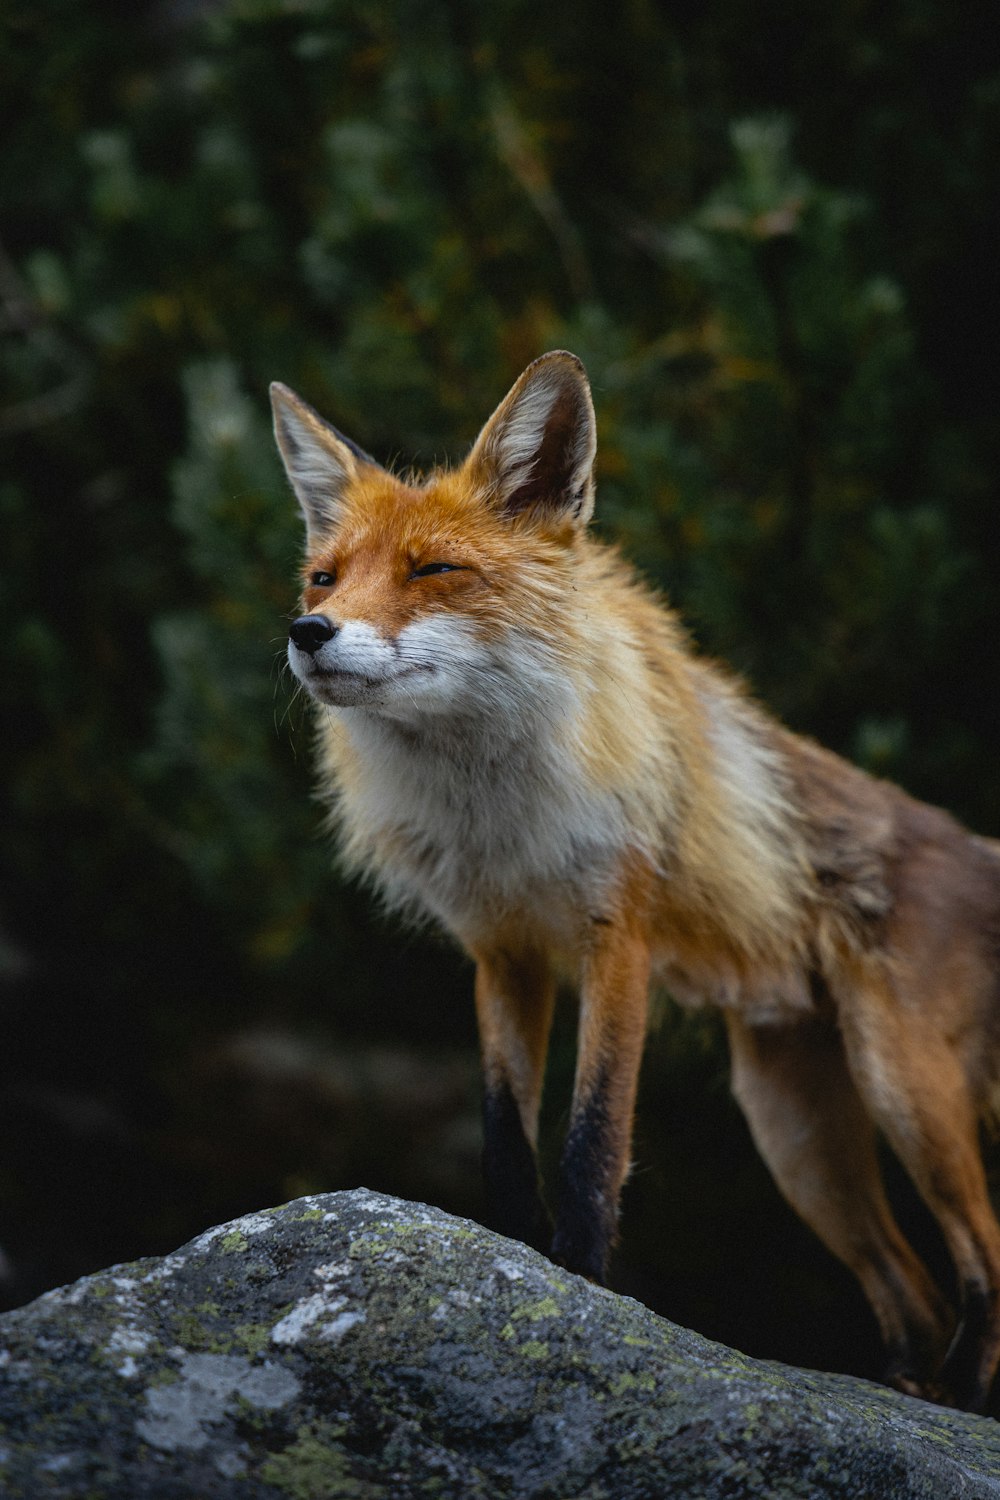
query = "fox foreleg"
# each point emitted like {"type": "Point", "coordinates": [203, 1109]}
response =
{"type": "Point", "coordinates": [515, 996]}
{"type": "Point", "coordinates": [596, 1155]}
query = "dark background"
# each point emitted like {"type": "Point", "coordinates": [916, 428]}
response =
{"type": "Point", "coordinates": [769, 231]}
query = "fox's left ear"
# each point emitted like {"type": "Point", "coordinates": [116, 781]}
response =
{"type": "Point", "coordinates": [536, 452]}
{"type": "Point", "coordinates": [319, 461]}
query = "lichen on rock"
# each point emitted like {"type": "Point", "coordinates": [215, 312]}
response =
{"type": "Point", "coordinates": [353, 1345]}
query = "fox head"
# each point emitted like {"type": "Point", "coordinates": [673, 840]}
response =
{"type": "Point", "coordinates": [413, 590]}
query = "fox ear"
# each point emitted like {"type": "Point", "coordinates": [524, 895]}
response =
{"type": "Point", "coordinates": [536, 452]}
{"type": "Point", "coordinates": [319, 461]}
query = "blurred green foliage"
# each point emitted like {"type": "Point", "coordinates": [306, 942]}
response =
{"type": "Point", "coordinates": [770, 235]}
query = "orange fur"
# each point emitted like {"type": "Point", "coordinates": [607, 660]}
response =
{"type": "Point", "coordinates": [518, 742]}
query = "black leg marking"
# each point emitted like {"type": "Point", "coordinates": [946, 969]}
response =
{"type": "Point", "coordinates": [513, 1191]}
{"type": "Point", "coordinates": [961, 1374]}
{"type": "Point", "coordinates": [587, 1218]}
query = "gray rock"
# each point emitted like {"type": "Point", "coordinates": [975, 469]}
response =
{"type": "Point", "coordinates": [354, 1345]}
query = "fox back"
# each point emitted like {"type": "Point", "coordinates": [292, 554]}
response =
{"type": "Point", "coordinates": [518, 742]}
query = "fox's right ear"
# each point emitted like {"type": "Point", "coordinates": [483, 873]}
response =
{"type": "Point", "coordinates": [319, 461]}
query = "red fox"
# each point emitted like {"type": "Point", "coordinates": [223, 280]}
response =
{"type": "Point", "coordinates": [519, 742]}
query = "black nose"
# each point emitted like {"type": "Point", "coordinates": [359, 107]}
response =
{"type": "Point", "coordinates": [309, 632]}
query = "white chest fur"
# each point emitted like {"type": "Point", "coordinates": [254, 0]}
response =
{"type": "Point", "coordinates": [478, 820]}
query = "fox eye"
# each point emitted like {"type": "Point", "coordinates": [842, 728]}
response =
{"type": "Point", "coordinates": [429, 568]}
{"type": "Point", "coordinates": [322, 580]}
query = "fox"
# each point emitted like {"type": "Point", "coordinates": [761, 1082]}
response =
{"type": "Point", "coordinates": [519, 743]}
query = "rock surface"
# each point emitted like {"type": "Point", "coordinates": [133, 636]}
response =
{"type": "Point", "coordinates": [354, 1345]}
